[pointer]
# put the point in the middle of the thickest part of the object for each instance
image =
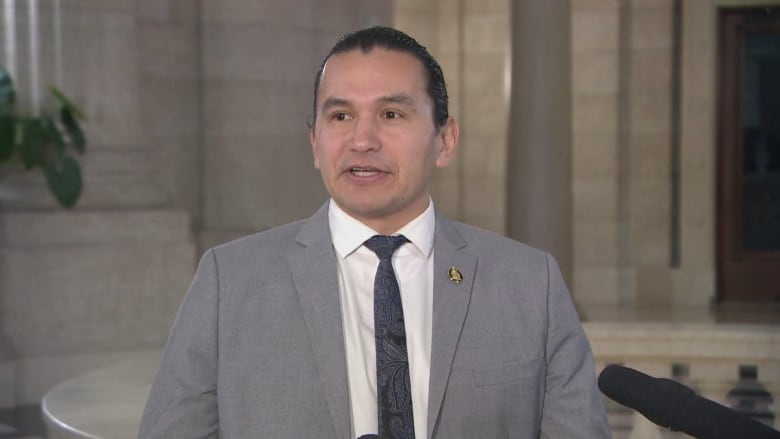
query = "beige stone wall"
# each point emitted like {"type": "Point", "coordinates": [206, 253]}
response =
{"type": "Point", "coordinates": [622, 124]}
{"type": "Point", "coordinates": [646, 149]}
{"type": "Point", "coordinates": [90, 284]}
{"type": "Point", "coordinates": [696, 275]}
{"type": "Point", "coordinates": [623, 54]}
{"type": "Point", "coordinates": [595, 140]}
{"type": "Point", "coordinates": [169, 63]}
{"type": "Point", "coordinates": [622, 148]}
{"type": "Point", "coordinates": [470, 39]}
{"type": "Point", "coordinates": [623, 140]}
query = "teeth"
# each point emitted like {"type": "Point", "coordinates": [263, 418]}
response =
{"type": "Point", "coordinates": [360, 172]}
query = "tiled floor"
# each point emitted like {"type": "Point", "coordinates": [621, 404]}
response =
{"type": "Point", "coordinates": [22, 423]}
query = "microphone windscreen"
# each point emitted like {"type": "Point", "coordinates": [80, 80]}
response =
{"type": "Point", "coordinates": [675, 406]}
{"type": "Point", "coordinates": [660, 400]}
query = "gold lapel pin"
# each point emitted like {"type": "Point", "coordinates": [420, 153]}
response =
{"type": "Point", "coordinates": [455, 275]}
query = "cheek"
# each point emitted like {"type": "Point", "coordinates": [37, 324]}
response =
{"type": "Point", "coordinates": [326, 161]}
{"type": "Point", "coordinates": [419, 167]}
{"type": "Point", "coordinates": [323, 153]}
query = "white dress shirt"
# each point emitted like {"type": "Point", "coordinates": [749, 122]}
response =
{"type": "Point", "coordinates": [413, 265]}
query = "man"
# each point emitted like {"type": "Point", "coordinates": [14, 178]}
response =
{"type": "Point", "coordinates": [319, 329]}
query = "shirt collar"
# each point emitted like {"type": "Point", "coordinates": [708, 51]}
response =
{"type": "Point", "coordinates": [349, 234]}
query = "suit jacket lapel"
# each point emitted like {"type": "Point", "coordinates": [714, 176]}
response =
{"type": "Point", "coordinates": [315, 273]}
{"type": "Point", "coordinates": [450, 303]}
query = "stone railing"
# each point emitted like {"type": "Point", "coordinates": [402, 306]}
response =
{"type": "Point", "coordinates": [707, 357]}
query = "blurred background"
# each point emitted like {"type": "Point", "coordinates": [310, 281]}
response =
{"type": "Point", "coordinates": [636, 140]}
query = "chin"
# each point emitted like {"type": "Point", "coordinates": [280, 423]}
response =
{"type": "Point", "coordinates": [364, 210]}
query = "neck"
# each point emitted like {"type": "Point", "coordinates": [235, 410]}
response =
{"type": "Point", "coordinates": [387, 225]}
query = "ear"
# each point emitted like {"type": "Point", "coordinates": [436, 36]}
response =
{"type": "Point", "coordinates": [314, 148]}
{"type": "Point", "coordinates": [448, 136]}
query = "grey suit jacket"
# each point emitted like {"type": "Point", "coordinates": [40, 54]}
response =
{"type": "Point", "coordinates": [257, 348]}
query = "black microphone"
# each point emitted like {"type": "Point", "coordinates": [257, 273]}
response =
{"type": "Point", "coordinates": [675, 406]}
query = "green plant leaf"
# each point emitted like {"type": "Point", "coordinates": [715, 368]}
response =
{"type": "Point", "coordinates": [32, 142]}
{"type": "Point", "coordinates": [41, 141]}
{"type": "Point", "coordinates": [7, 94]}
{"type": "Point", "coordinates": [7, 136]}
{"type": "Point", "coordinates": [67, 103]}
{"type": "Point", "coordinates": [73, 129]}
{"type": "Point", "coordinates": [64, 180]}
{"type": "Point", "coordinates": [54, 133]}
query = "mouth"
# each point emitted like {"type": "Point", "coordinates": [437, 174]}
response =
{"type": "Point", "coordinates": [358, 171]}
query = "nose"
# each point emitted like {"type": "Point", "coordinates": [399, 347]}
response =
{"type": "Point", "coordinates": [365, 135]}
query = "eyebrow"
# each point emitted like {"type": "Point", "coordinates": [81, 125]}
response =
{"type": "Point", "coordinates": [399, 98]}
{"type": "Point", "coordinates": [334, 102]}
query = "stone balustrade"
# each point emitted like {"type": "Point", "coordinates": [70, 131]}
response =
{"type": "Point", "coordinates": [108, 402]}
{"type": "Point", "coordinates": [710, 354]}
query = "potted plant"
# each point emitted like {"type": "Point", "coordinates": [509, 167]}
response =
{"type": "Point", "coordinates": [44, 141]}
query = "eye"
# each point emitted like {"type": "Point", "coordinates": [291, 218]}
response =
{"type": "Point", "coordinates": [392, 115]}
{"type": "Point", "coordinates": [340, 116]}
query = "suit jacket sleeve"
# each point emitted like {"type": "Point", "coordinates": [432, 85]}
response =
{"type": "Point", "coordinates": [573, 406]}
{"type": "Point", "coordinates": [183, 399]}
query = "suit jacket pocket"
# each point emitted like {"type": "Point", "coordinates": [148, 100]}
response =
{"type": "Point", "coordinates": [507, 372]}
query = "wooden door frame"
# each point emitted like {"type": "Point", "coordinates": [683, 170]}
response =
{"type": "Point", "coordinates": [731, 258]}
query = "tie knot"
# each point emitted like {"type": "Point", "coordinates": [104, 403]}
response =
{"type": "Point", "coordinates": [384, 246]}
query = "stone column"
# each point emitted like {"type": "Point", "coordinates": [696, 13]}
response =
{"type": "Point", "coordinates": [539, 156]}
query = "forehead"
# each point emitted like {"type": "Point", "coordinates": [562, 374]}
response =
{"type": "Point", "coordinates": [379, 71]}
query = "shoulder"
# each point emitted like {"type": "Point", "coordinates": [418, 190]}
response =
{"type": "Point", "coordinates": [502, 259]}
{"type": "Point", "coordinates": [276, 238]}
{"type": "Point", "coordinates": [264, 248]}
{"type": "Point", "coordinates": [490, 244]}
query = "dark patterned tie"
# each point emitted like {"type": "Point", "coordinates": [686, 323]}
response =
{"type": "Point", "coordinates": [393, 383]}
